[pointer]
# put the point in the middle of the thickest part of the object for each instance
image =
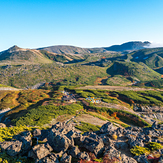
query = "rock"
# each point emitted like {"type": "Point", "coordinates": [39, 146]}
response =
{"type": "Point", "coordinates": [12, 148]}
{"type": "Point", "coordinates": [121, 145]}
{"type": "Point", "coordinates": [84, 156]}
{"type": "Point", "coordinates": [26, 139]}
{"type": "Point", "coordinates": [107, 142]}
{"type": "Point", "coordinates": [66, 158]}
{"type": "Point", "coordinates": [58, 141]}
{"type": "Point", "coordinates": [79, 140]}
{"type": "Point", "coordinates": [119, 131]}
{"type": "Point", "coordinates": [93, 145]}
{"type": "Point", "coordinates": [40, 151]}
{"type": "Point", "coordinates": [160, 160]}
{"type": "Point", "coordinates": [74, 151]}
{"type": "Point", "coordinates": [133, 142]}
{"type": "Point", "coordinates": [126, 159]}
{"type": "Point", "coordinates": [37, 133]}
{"type": "Point", "coordinates": [2, 125]}
{"type": "Point", "coordinates": [48, 159]}
{"type": "Point", "coordinates": [112, 155]}
{"type": "Point", "coordinates": [141, 159]}
{"type": "Point", "coordinates": [63, 128]}
{"type": "Point", "coordinates": [107, 128]}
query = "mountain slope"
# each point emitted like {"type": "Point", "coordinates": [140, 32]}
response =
{"type": "Point", "coordinates": [133, 45]}
{"type": "Point", "coordinates": [133, 69]}
{"type": "Point", "coordinates": [65, 49]}
{"type": "Point", "coordinates": [151, 57]}
{"type": "Point", "coordinates": [16, 55]}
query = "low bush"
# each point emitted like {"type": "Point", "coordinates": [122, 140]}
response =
{"type": "Point", "coordinates": [137, 150]}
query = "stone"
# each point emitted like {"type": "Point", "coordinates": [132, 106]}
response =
{"type": "Point", "coordinates": [141, 159]}
{"type": "Point", "coordinates": [12, 148]}
{"type": "Point", "coordinates": [66, 158]}
{"type": "Point", "coordinates": [48, 159]}
{"type": "Point", "coordinates": [2, 125]}
{"type": "Point", "coordinates": [93, 145]}
{"type": "Point", "coordinates": [37, 133]}
{"type": "Point", "coordinates": [126, 159]}
{"type": "Point", "coordinates": [40, 151]}
{"type": "Point", "coordinates": [121, 145]}
{"type": "Point", "coordinates": [74, 151]}
{"type": "Point", "coordinates": [107, 128]}
{"type": "Point", "coordinates": [84, 156]}
{"type": "Point", "coordinates": [58, 141]}
{"type": "Point", "coordinates": [26, 139]}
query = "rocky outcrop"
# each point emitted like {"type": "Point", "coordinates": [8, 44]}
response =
{"type": "Point", "coordinates": [63, 144]}
{"type": "Point", "coordinates": [40, 151]}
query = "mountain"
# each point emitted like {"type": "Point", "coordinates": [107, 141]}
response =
{"type": "Point", "coordinates": [132, 69]}
{"type": "Point", "coordinates": [152, 57]}
{"type": "Point", "coordinates": [17, 55]}
{"type": "Point", "coordinates": [133, 45]}
{"type": "Point", "coordinates": [65, 49]}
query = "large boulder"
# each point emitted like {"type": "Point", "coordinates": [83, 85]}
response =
{"type": "Point", "coordinates": [95, 146]}
{"type": "Point", "coordinates": [107, 128]}
{"type": "Point", "coordinates": [26, 139]}
{"type": "Point", "coordinates": [58, 141]}
{"type": "Point", "coordinates": [40, 151]}
{"type": "Point", "coordinates": [12, 148]}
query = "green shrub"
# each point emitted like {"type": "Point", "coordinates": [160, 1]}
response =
{"type": "Point", "coordinates": [85, 127]}
{"type": "Point", "coordinates": [154, 146]}
{"type": "Point", "coordinates": [137, 150]}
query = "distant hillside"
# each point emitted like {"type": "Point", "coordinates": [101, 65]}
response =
{"type": "Point", "coordinates": [152, 57]}
{"type": "Point", "coordinates": [65, 49]}
{"type": "Point", "coordinates": [16, 55]}
{"type": "Point", "coordinates": [133, 45]}
{"type": "Point", "coordinates": [140, 71]}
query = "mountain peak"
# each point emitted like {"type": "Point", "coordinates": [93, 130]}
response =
{"type": "Point", "coordinates": [14, 48]}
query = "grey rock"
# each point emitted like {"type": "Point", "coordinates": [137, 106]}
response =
{"type": "Point", "coordinates": [126, 159]}
{"type": "Point", "coordinates": [66, 158]}
{"type": "Point", "coordinates": [37, 133]}
{"type": "Point", "coordinates": [107, 128]}
{"type": "Point", "coordinates": [26, 139]}
{"type": "Point", "coordinates": [121, 145]}
{"type": "Point", "coordinates": [74, 151]}
{"type": "Point", "coordinates": [141, 159]}
{"type": "Point", "coordinates": [2, 125]}
{"type": "Point", "coordinates": [48, 159]}
{"type": "Point", "coordinates": [84, 156]}
{"type": "Point", "coordinates": [12, 148]}
{"type": "Point", "coordinates": [58, 141]}
{"type": "Point", "coordinates": [40, 151]}
{"type": "Point", "coordinates": [93, 145]}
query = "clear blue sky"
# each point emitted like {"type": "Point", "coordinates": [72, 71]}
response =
{"type": "Point", "coordinates": [84, 23]}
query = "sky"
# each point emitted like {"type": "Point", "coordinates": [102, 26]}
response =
{"type": "Point", "coordinates": [83, 23]}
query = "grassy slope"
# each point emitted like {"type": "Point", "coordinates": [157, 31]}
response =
{"type": "Point", "coordinates": [23, 76]}
{"type": "Point", "coordinates": [140, 71]}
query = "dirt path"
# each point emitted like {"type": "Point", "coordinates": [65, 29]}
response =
{"type": "Point", "coordinates": [117, 88]}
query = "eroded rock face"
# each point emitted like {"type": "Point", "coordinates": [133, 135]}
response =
{"type": "Point", "coordinates": [107, 128]}
{"type": "Point", "coordinates": [40, 151]}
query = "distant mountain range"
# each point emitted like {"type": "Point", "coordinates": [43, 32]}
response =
{"type": "Point", "coordinates": [62, 53]}
{"type": "Point", "coordinates": [129, 46]}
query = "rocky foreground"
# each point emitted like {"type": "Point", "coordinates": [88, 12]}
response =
{"type": "Point", "coordinates": [63, 144]}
